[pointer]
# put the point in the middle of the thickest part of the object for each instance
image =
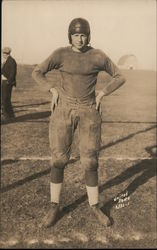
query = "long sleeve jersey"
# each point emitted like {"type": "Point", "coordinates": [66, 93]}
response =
{"type": "Point", "coordinates": [78, 71]}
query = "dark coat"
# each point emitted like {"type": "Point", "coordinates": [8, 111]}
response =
{"type": "Point", "coordinates": [9, 70]}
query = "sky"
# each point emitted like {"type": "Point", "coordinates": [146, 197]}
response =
{"type": "Point", "coordinates": [34, 28]}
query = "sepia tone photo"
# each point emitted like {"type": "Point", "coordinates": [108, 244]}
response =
{"type": "Point", "coordinates": [78, 124]}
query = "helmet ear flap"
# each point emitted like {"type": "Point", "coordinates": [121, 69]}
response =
{"type": "Point", "coordinates": [69, 36]}
{"type": "Point", "coordinates": [88, 39]}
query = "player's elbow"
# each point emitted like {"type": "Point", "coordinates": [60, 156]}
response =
{"type": "Point", "coordinates": [37, 74]}
{"type": "Point", "coordinates": [40, 79]}
{"type": "Point", "coordinates": [34, 74]}
{"type": "Point", "coordinates": [122, 80]}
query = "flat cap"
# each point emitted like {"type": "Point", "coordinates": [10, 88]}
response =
{"type": "Point", "coordinates": [6, 50]}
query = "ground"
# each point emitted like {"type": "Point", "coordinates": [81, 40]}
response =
{"type": "Point", "coordinates": [127, 171]}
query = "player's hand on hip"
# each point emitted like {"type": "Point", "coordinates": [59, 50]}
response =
{"type": "Point", "coordinates": [99, 96]}
{"type": "Point", "coordinates": [55, 98]}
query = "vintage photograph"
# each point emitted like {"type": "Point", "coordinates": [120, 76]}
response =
{"type": "Point", "coordinates": [78, 124]}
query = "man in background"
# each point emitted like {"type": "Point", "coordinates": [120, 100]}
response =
{"type": "Point", "coordinates": [8, 80]}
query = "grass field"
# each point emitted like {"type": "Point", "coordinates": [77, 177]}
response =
{"type": "Point", "coordinates": [127, 167]}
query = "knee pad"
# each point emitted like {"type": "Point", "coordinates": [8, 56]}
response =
{"type": "Point", "coordinates": [89, 163]}
{"type": "Point", "coordinates": [60, 162]}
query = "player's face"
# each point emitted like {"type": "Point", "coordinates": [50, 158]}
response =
{"type": "Point", "coordinates": [79, 40]}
